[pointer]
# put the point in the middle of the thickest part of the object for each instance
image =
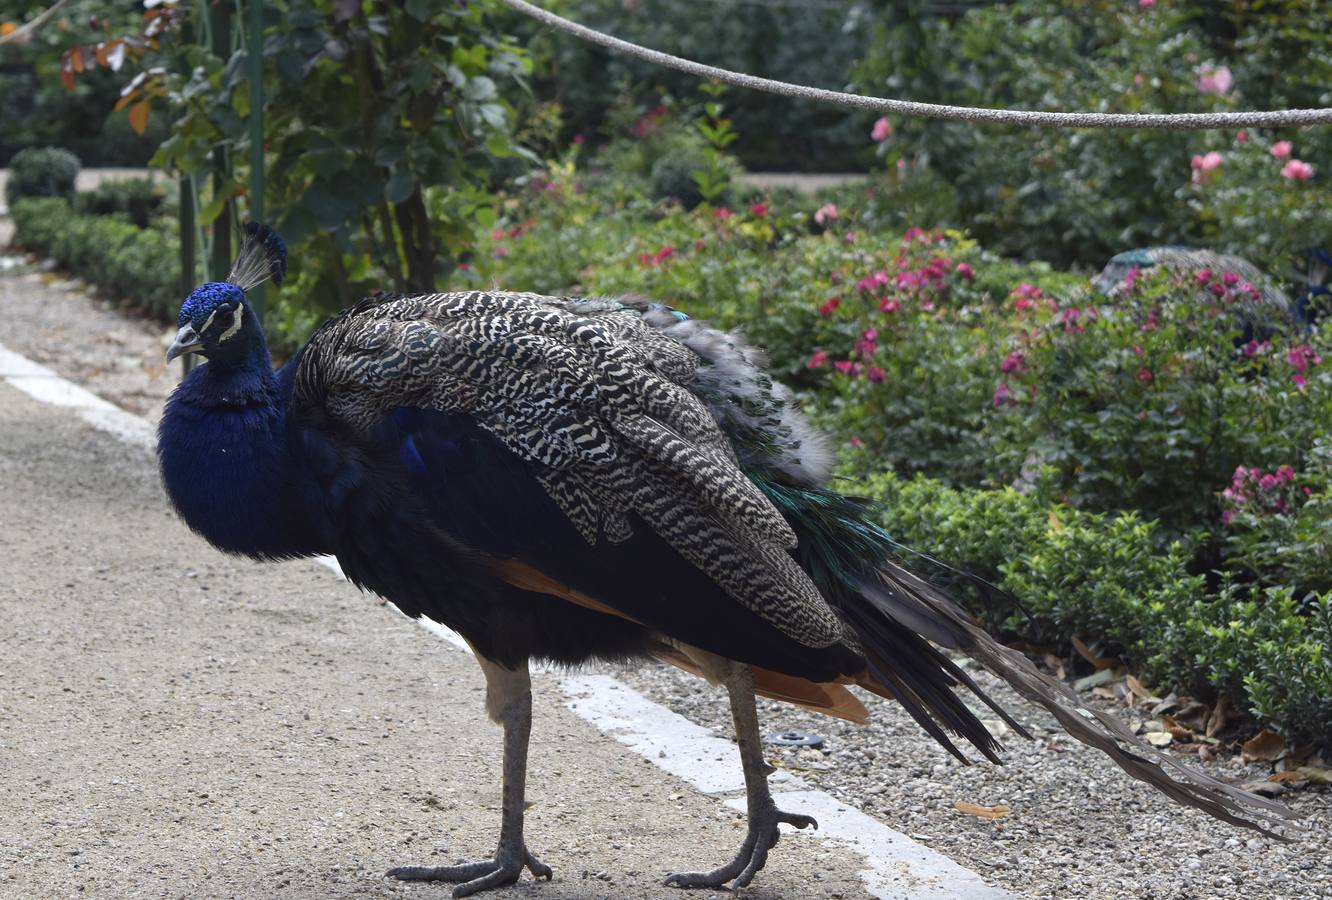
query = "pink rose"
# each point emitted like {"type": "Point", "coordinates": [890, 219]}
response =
{"type": "Point", "coordinates": [1281, 150]}
{"type": "Point", "coordinates": [1297, 170]}
{"type": "Point", "coordinates": [825, 214]}
{"type": "Point", "coordinates": [965, 271]}
{"type": "Point", "coordinates": [1002, 395]}
{"type": "Point", "coordinates": [818, 360]}
{"type": "Point", "coordinates": [759, 209]}
{"type": "Point", "coordinates": [1217, 81]}
{"type": "Point", "coordinates": [1146, 4]}
{"type": "Point", "coordinates": [876, 375]}
{"type": "Point", "coordinates": [883, 130]}
{"type": "Point", "coordinates": [1145, 376]}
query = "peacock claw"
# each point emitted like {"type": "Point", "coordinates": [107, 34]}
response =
{"type": "Point", "coordinates": [474, 877]}
{"type": "Point", "coordinates": [762, 837]}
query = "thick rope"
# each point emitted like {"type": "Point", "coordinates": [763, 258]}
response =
{"type": "Point", "coordinates": [1292, 118]}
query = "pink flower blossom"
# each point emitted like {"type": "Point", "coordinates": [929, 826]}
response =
{"type": "Point", "coordinates": [1152, 322]}
{"type": "Point", "coordinates": [1229, 279]}
{"type": "Point", "coordinates": [825, 213]}
{"type": "Point", "coordinates": [759, 209]}
{"type": "Point", "coordinates": [1208, 161]}
{"type": "Point", "coordinates": [1300, 381]}
{"type": "Point", "coordinates": [1146, 4]}
{"type": "Point", "coordinates": [1203, 276]}
{"type": "Point", "coordinates": [577, 138]}
{"type": "Point", "coordinates": [856, 442]}
{"type": "Point", "coordinates": [965, 271]}
{"type": "Point", "coordinates": [1145, 376]}
{"type": "Point", "coordinates": [1002, 395]}
{"type": "Point", "coordinates": [889, 305]}
{"type": "Point", "coordinates": [1242, 137]}
{"type": "Point", "coordinates": [722, 213]}
{"type": "Point", "coordinates": [1137, 350]}
{"type": "Point", "coordinates": [830, 306]}
{"type": "Point", "coordinates": [847, 367]}
{"type": "Point", "coordinates": [876, 375]}
{"type": "Point", "coordinates": [1013, 362]}
{"type": "Point", "coordinates": [1297, 170]}
{"type": "Point", "coordinates": [883, 130]}
{"type": "Point", "coordinates": [901, 165]}
{"type": "Point", "coordinates": [1281, 150]}
{"type": "Point", "coordinates": [912, 234]}
{"type": "Point", "coordinates": [1216, 81]}
{"type": "Point", "coordinates": [1226, 516]}
{"type": "Point", "coordinates": [818, 360]}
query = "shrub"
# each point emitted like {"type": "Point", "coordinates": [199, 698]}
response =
{"type": "Point", "coordinates": [41, 172]}
{"type": "Point", "coordinates": [1090, 574]}
{"type": "Point", "coordinates": [126, 263]}
{"type": "Point", "coordinates": [139, 199]}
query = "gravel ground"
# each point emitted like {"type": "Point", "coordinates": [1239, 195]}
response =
{"type": "Point", "coordinates": [61, 324]}
{"type": "Point", "coordinates": [1078, 826]}
{"type": "Point", "coordinates": [175, 723]}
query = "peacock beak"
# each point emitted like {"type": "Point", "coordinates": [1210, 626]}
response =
{"type": "Point", "coordinates": [187, 341]}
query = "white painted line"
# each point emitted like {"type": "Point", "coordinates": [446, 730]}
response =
{"type": "Point", "coordinates": [672, 742]}
{"type": "Point", "coordinates": [44, 385]}
{"type": "Point", "coordinates": [899, 868]}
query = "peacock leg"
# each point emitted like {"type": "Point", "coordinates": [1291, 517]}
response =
{"type": "Point", "coordinates": [764, 816]}
{"type": "Point", "coordinates": [509, 703]}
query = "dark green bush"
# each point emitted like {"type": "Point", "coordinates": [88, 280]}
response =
{"type": "Point", "coordinates": [1090, 574]}
{"type": "Point", "coordinates": [139, 199]}
{"type": "Point", "coordinates": [41, 172]}
{"type": "Point", "coordinates": [136, 266]}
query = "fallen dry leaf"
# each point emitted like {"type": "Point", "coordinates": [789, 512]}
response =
{"type": "Point", "coordinates": [1158, 738]}
{"type": "Point", "coordinates": [1176, 730]}
{"type": "Point", "coordinates": [1193, 716]}
{"type": "Point", "coordinates": [1140, 690]}
{"type": "Point", "coordinates": [1264, 746]}
{"type": "Point", "coordinates": [1220, 716]}
{"type": "Point", "coordinates": [1310, 774]}
{"type": "Point", "coordinates": [1264, 788]}
{"type": "Point", "coordinates": [1098, 662]}
{"type": "Point", "coordinates": [998, 811]}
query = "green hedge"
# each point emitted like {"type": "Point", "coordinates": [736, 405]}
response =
{"type": "Point", "coordinates": [1102, 576]}
{"type": "Point", "coordinates": [136, 266]}
{"type": "Point", "coordinates": [41, 172]}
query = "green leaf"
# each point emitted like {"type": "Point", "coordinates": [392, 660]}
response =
{"type": "Point", "coordinates": [400, 186]}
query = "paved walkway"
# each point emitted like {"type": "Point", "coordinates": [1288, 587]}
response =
{"type": "Point", "coordinates": [176, 723]}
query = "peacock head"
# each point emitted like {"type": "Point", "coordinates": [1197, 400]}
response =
{"type": "Point", "coordinates": [215, 318]}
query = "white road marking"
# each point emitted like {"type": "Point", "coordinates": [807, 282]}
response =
{"type": "Point", "coordinates": [899, 868]}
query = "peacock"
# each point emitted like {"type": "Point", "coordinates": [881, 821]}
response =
{"type": "Point", "coordinates": [574, 479]}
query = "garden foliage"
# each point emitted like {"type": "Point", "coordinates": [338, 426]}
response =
{"type": "Point", "coordinates": [139, 267]}
{"type": "Point", "coordinates": [42, 172]}
{"type": "Point", "coordinates": [1145, 469]}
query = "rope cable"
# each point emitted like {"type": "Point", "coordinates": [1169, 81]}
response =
{"type": "Point", "coordinates": [1291, 118]}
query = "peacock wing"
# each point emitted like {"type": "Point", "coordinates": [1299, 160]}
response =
{"type": "Point", "coordinates": [596, 405]}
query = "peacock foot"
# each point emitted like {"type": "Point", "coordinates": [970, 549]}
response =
{"type": "Point", "coordinates": [474, 877]}
{"type": "Point", "coordinates": [762, 837]}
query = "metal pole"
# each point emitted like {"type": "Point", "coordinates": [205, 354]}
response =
{"type": "Point", "coordinates": [219, 32]}
{"type": "Point", "coordinates": [254, 58]}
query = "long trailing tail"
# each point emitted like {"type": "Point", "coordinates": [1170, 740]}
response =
{"type": "Point", "coordinates": [896, 614]}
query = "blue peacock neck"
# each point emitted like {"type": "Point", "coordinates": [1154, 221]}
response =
{"type": "Point", "coordinates": [224, 450]}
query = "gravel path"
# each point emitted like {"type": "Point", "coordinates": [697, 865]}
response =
{"type": "Point", "coordinates": [1078, 827]}
{"type": "Point", "coordinates": [178, 723]}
